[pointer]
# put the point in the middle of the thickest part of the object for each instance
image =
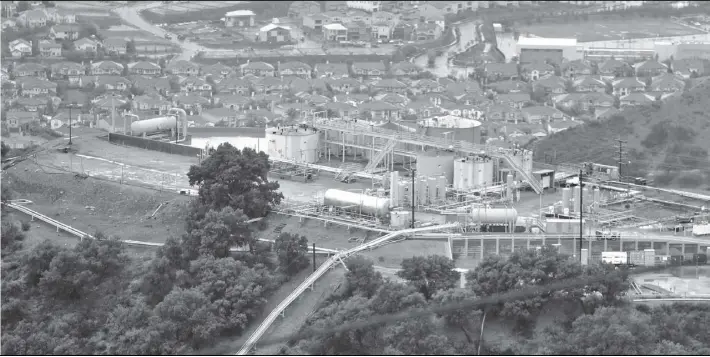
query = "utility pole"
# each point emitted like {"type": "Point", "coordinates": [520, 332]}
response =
{"type": "Point", "coordinates": [414, 173]}
{"type": "Point", "coordinates": [581, 213]}
{"type": "Point", "coordinates": [314, 257]}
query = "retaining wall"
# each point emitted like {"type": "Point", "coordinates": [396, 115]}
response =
{"type": "Point", "coordinates": [148, 144]}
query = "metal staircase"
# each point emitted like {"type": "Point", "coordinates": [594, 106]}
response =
{"type": "Point", "coordinates": [347, 169]}
{"type": "Point", "coordinates": [377, 158]}
{"type": "Point", "coordinates": [535, 184]}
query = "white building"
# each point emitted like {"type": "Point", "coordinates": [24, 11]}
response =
{"type": "Point", "coordinates": [566, 47]}
{"type": "Point", "coordinates": [368, 6]}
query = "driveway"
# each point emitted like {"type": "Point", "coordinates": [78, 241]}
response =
{"type": "Point", "coordinates": [131, 15]}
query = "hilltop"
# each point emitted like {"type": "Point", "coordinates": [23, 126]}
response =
{"type": "Point", "coordinates": [668, 141]}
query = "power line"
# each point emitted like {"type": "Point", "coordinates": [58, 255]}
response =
{"type": "Point", "coordinates": [472, 304]}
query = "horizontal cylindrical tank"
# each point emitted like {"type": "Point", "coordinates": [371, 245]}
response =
{"type": "Point", "coordinates": [153, 125]}
{"type": "Point", "coordinates": [357, 202]}
{"type": "Point", "coordinates": [484, 215]}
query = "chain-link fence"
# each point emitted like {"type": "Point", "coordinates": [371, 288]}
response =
{"type": "Point", "coordinates": [122, 173]}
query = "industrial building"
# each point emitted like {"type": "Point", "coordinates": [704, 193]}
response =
{"type": "Point", "coordinates": [539, 49]}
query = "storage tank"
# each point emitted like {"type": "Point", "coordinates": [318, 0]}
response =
{"type": "Point", "coordinates": [441, 187]}
{"type": "Point", "coordinates": [482, 172]}
{"type": "Point", "coordinates": [357, 202]}
{"type": "Point", "coordinates": [452, 127]}
{"type": "Point", "coordinates": [422, 191]}
{"type": "Point", "coordinates": [394, 188]}
{"type": "Point", "coordinates": [586, 199]}
{"type": "Point", "coordinates": [400, 218]}
{"type": "Point", "coordinates": [566, 193]}
{"type": "Point", "coordinates": [432, 189]}
{"type": "Point", "coordinates": [484, 215]}
{"type": "Point", "coordinates": [435, 163]}
{"type": "Point", "coordinates": [401, 194]}
{"type": "Point", "coordinates": [153, 125]}
{"type": "Point", "coordinates": [597, 195]}
{"type": "Point", "coordinates": [293, 143]}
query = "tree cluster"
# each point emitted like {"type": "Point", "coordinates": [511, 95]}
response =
{"type": "Point", "coordinates": [94, 299]}
{"type": "Point", "coordinates": [594, 319]}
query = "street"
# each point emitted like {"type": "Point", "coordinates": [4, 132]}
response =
{"type": "Point", "coordinates": [131, 15]}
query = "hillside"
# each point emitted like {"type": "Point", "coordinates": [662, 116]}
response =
{"type": "Point", "coordinates": [666, 141]}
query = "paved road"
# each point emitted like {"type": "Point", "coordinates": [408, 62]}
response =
{"type": "Point", "coordinates": [131, 15]}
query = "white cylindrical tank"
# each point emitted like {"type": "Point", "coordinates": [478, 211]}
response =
{"type": "Point", "coordinates": [441, 187]}
{"type": "Point", "coordinates": [400, 218]}
{"type": "Point", "coordinates": [577, 193]}
{"type": "Point", "coordinates": [153, 125]}
{"type": "Point", "coordinates": [401, 194]}
{"type": "Point", "coordinates": [293, 143]}
{"type": "Point", "coordinates": [566, 193]}
{"type": "Point", "coordinates": [357, 202]}
{"type": "Point", "coordinates": [597, 195]}
{"type": "Point", "coordinates": [586, 199]}
{"type": "Point", "coordinates": [431, 184]}
{"type": "Point", "coordinates": [394, 188]}
{"type": "Point", "coordinates": [484, 215]}
{"type": "Point", "coordinates": [422, 193]}
{"type": "Point", "coordinates": [509, 180]}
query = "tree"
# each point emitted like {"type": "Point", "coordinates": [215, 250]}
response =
{"type": "Point", "coordinates": [361, 277]}
{"type": "Point", "coordinates": [5, 150]}
{"type": "Point", "coordinates": [292, 252]}
{"type": "Point", "coordinates": [183, 320]}
{"type": "Point", "coordinates": [23, 6]}
{"type": "Point", "coordinates": [429, 274]}
{"type": "Point", "coordinates": [292, 114]}
{"type": "Point", "coordinates": [131, 47]}
{"type": "Point", "coordinates": [236, 178]}
{"type": "Point", "coordinates": [469, 321]}
{"type": "Point", "coordinates": [215, 233]}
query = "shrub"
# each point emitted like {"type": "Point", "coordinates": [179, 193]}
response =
{"type": "Point", "coordinates": [25, 226]}
{"type": "Point", "coordinates": [691, 180]}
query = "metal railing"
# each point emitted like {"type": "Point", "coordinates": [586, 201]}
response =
{"type": "Point", "coordinates": [254, 338]}
{"type": "Point", "coordinates": [377, 158]}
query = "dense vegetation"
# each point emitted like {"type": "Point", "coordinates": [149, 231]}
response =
{"type": "Point", "coordinates": [595, 319]}
{"type": "Point", "coordinates": [663, 139]}
{"type": "Point", "coordinates": [94, 299]}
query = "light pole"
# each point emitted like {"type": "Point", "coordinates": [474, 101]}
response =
{"type": "Point", "coordinates": [414, 173]}
{"type": "Point", "coordinates": [72, 105]}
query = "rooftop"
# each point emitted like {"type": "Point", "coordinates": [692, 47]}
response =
{"type": "Point", "coordinates": [240, 13]}
{"type": "Point", "coordinates": [335, 27]}
{"type": "Point", "coordinates": [542, 41]}
{"type": "Point", "coordinates": [450, 121]}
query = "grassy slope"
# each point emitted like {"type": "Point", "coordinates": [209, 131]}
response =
{"type": "Point", "coordinates": [684, 121]}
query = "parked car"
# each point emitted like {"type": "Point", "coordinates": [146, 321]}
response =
{"type": "Point", "coordinates": [168, 36]}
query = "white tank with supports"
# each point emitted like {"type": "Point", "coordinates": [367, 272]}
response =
{"type": "Point", "coordinates": [485, 215]}
{"type": "Point", "coordinates": [566, 198]}
{"type": "Point", "coordinates": [431, 184]}
{"type": "Point", "coordinates": [401, 193]}
{"type": "Point", "coordinates": [357, 202]}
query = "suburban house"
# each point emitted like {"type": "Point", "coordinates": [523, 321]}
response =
{"type": "Point", "coordinates": [30, 69]}
{"type": "Point", "coordinates": [231, 101]}
{"type": "Point", "coordinates": [234, 85]}
{"type": "Point", "coordinates": [368, 69]}
{"type": "Point", "coordinates": [20, 48]}
{"type": "Point", "coordinates": [273, 33]}
{"type": "Point", "coordinates": [427, 31]}
{"type": "Point", "coordinates": [342, 110]}
{"type": "Point", "coordinates": [550, 85]}
{"type": "Point", "coordinates": [401, 69]}
{"type": "Point", "coordinates": [68, 70]}
{"type": "Point", "coordinates": [196, 85]}
{"type": "Point", "coordinates": [65, 32]}
{"type": "Point", "coordinates": [636, 99]}
{"type": "Point", "coordinates": [223, 116]}
{"type": "Point", "coordinates": [239, 18]}
{"type": "Point", "coordinates": [315, 21]}
{"type": "Point", "coordinates": [588, 84]}
{"type": "Point", "coordinates": [514, 100]}
{"type": "Point", "coordinates": [584, 101]}
{"type": "Point", "coordinates": [508, 86]}
{"type": "Point", "coordinates": [382, 30]}
{"type": "Point", "coordinates": [49, 49]}
{"type": "Point", "coordinates": [379, 111]}
{"type": "Point", "coordinates": [115, 46]}
{"type": "Point", "coordinates": [33, 18]}
{"type": "Point", "coordinates": [503, 113]}
{"type": "Point", "coordinates": [395, 99]}
{"type": "Point", "coordinates": [358, 31]}
{"type": "Point", "coordinates": [390, 85]}
{"type": "Point", "coordinates": [536, 70]}
{"type": "Point", "coordinates": [295, 68]}
{"type": "Point", "coordinates": [611, 68]}
{"type": "Point", "coordinates": [32, 104]}
{"type": "Point", "coordinates": [155, 105]}
{"type": "Point", "coordinates": [192, 104]}
{"type": "Point", "coordinates": [335, 32]}
{"type": "Point", "coordinates": [667, 83]}
{"type": "Point", "coordinates": [331, 70]}
{"type": "Point", "coordinates": [345, 85]}
{"type": "Point", "coordinates": [86, 44]}
{"type": "Point", "coordinates": [217, 71]}
{"type": "Point", "coordinates": [269, 85]}
{"type": "Point", "coordinates": [426, 86]}
{"type": "Point", "coordinates": [144, 68]}
{"type": "Point", "coordinates": [576, 68]}
{"type": "Point", "coordinates": [650, 68]}
{"type": "Point", "coordinates": [500, 71]}
{"type": "Point", "coordinates": [627, 85]}
{"type": "Point", "coordinates": [107, 82]}
{"type": "Point", "coordinates": [32, 87]}
{"type": "Point", "coordinates": [106, 68]}
{"type": "Point", "coordinates": [184, 68]}
{"type": "Point", "coordinates": [17, 120]}
{"type": "Point", "coordinates": [404, 31]}
{"type": "Point", "coordinates": [538, 114]}
{"type": "Point", "coordinates": [257, 68]}
{"type": "Point", "coordinates": [688, 68]}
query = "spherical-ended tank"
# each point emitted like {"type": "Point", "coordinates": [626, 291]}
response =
{"type": "Point", "coordinates": [484, 215]}
{"type": "Point", "coordinates": [153, 125]}
{"type": "Point", "coordinates": [357, 202]}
